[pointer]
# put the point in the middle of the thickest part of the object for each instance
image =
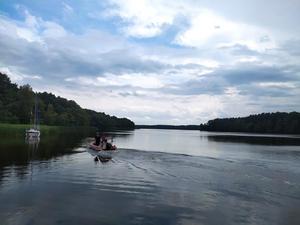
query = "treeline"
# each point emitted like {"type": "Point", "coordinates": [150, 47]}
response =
{"type": "Point", "coordinates": [279, 123]}
{"type": "Point", "coordinates": [274, 123]}
{"type": "Point", "coordinates": [171, 127]}
{"type": "Point", "coordinates": [17, 103]}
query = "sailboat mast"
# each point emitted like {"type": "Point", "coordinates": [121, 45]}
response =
{"type": "Point", "coordinates": [35, 122]}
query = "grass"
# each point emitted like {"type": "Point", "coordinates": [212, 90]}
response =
{"type": "Point", "coordinates": [19, 129]}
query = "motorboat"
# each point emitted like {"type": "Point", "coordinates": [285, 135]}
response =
{"type": "Point", "coordinates": [109, 147]}
{"type": "Point", "coordinates": [96, 150]}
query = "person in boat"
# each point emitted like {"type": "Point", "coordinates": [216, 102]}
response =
{"type": "Point", "coordinates": [104, 143]}
{"type": "Point", "coordinates": [109, 146]}
{"type": "Point", "coordinates": [97, 139]}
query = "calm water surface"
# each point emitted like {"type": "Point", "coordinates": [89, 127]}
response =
{"type": "Point", "coordinates": [156, 177]}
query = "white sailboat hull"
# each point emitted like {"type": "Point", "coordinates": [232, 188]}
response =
{"type": "Point", "coordinates": [32, 133]}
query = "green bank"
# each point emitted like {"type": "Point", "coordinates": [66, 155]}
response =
{"type": "Point", "coordinates": [46, 130]}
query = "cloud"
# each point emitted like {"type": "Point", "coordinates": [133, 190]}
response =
{"type": "Point", "coordinates": [255, 80]}
{"type": "Point", "coordinates": [60, 54]}
{"type": "Point", "coordinates": [292, 47]}
{"type": "Point", "coordinates": [210, 29]}
{"type": "Point", "coordinates": [120, 80]}
{"type": "Point", "coordinates": [180, 62]}
{"type": "Point", "coordinates": [239, 50]}
{"type": "Point", "coordinates": [142, 18]}
{"type": "Point", "coordinates": [15, 76]}
{"type": "Point", "coordinates": [203, 25]}
{"type": "Point", "coordinates": [67, 8]}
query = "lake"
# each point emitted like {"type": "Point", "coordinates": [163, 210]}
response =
{"type": "Point", "coordinates": [156, 177]}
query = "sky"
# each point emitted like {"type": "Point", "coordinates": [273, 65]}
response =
{"type": "Point", "coordinates": [159, 61]}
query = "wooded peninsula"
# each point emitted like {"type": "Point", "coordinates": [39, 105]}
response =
{"type": "Point", "coordinates": [17, 103]}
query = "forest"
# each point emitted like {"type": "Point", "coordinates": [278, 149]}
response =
{"type": "Point", "coordinates": [278, 122]}
{"type": "Point", "coordinates": [17, 103]}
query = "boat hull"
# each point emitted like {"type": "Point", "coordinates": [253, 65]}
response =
{"type": "Point", "coordinates": [32, 133]}
{"type": "Point", "coordinates": [98, 151]}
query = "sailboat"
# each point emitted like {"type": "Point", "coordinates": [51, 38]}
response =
{"type": "Point", "coordinates": [34, 131]}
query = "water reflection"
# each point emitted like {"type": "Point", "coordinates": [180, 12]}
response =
{"type": "Point", "coordinates": [33, 143]}
{"type": "Point", "coordinates": [255, 140]}
{"type": "Point", "coordinates": [17, 154]}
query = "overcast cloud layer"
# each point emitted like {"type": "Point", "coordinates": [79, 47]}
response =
{"type": "Point", "coordinates": [157, 62]}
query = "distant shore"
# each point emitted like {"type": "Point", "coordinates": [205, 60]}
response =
{"type": "Point", "coordinates": [169, 127]}
{"type": "Point", "coordinates": [271, 123]}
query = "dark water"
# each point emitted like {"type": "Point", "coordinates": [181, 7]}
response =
{"type": "Point", "coordinates": [157, 177]}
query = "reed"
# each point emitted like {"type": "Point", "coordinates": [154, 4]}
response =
{"type": "Point", "coordinates": [19, 129]}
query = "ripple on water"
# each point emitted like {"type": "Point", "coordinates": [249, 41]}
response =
{"type": "Point", "coordinates": [139, 184]}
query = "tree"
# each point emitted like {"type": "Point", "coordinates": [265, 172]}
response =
{"type": "Point", "coordinates": [50, 116]}
{"type": "Point", "coordinates": [25, 103]}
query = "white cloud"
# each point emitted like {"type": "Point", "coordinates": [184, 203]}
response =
{"type": "Point", "coordinates": [204, 27]}
{"type": "Point", "coordinates": [16, 76]}
{"type": "Point", "coordinates": [27, 34]}
{"type": "Point", "coordinates": [209, 29]}
{"type": "Point", "coordinates": [277, 84]}
{"type": "Point", "coordinates": [33, 29]}
{"type": "Point", "coordinates": [144, 18]}
{"type": "Point", "coordinates": [133, 79]}
{"type": "Point", "coordinates": [52, 30]}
